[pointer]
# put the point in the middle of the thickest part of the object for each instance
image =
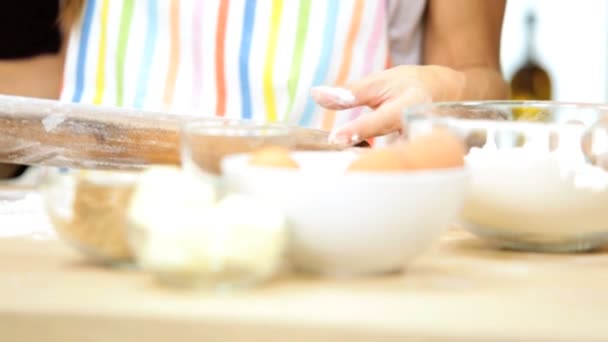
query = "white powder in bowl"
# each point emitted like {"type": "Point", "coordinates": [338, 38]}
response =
{"type": "Point", "coordinates": [546, 196]}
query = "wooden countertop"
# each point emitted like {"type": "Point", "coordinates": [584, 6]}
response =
{"type": "Point", "coordinates": [459, 290]}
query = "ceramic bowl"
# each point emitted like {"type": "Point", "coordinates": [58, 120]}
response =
{"type": "Point", "coordinates": [349, 224]}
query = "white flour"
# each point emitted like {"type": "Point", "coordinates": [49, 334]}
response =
{"type": "Point", "coordinates": [553, 194]}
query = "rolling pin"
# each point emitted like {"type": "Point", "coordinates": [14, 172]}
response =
{"type": "Point", "coordinates": [52, 133]}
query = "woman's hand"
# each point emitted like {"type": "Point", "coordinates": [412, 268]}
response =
{"type": "Point", "coordinates": [460, 62]}
{"type": "Point", "coordinates": [388, 93]}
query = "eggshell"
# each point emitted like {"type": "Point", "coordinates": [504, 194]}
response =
{"type": "Point", "coordinates": [436, 150]}
{"type": "Point", "coordinates": [382, 159]}
{"type": "Point", "coordinates": [273, 157]}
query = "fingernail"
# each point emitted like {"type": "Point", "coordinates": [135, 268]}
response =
{"type": "Point", "coordinates": [333, 97]}
{"type": "Point", "coordinates": [339, 139]}
{"type": "Point", "coordinates": [343, 139]}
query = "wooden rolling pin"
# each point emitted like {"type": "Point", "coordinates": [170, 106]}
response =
{"type": "Point", "coordinates": [46, 132]}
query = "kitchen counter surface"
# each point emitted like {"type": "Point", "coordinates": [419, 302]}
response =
{"type": "Point", "coordinates": [461, 289]}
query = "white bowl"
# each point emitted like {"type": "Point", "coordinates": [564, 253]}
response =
{"type": "Point", "coordinates": [355, 223]}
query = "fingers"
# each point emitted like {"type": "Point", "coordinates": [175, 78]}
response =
{"type": "Point", "coordinates": [388, 93]}
{"type": "Point", "coordinates": [368, 91]}
{"type": "Point", "coordinates": [334, 97]}
{"type": "Point", "coordinates": [382, 121]}
{"type": "Point", "coordinates": [385, 119]}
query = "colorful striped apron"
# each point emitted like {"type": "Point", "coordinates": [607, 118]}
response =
{"type": "Point", "coordinates": [235, 58]}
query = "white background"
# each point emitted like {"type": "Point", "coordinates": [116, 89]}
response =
{"type": "Point", "coordinates": [572, 44]}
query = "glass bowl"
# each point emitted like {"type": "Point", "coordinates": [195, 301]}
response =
{"type": "Point", "coordinates": [206, 143]}
{"type": "Point", "coordinates": [88, 209]}
{"type": "Point", "coordinates": [538, 181]}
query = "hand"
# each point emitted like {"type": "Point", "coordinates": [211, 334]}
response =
{"type": "Point", "coordinates": [388, 93]}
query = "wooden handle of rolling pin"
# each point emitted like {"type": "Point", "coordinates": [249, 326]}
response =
{"type": "Point", "coordinates": [35, 131]}
{"type": "Point", "coordinates": [45, 132]}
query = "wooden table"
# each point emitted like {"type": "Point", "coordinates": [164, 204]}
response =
{"type": "Point", "coordinates": [459, 290]}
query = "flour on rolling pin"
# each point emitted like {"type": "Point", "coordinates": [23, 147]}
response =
{"type": "Point", "coordinates": [39, 131]}
{"type": "Point", "coordinates": [52, 121]}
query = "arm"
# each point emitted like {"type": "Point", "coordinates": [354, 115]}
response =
{"type": "Point", "coordinates": [31, 63]}
{"type": "Point", "coordinates": [38, 76]}
{"type": "Point", "coordinates": [460, 62]}
{"type": "Point", "coordinates": [31, 58]}
{"type": "Point", "coordinates": [465, 35]}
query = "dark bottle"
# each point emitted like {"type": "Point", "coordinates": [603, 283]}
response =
{"type": "Point", "coordinates": [531, 81]}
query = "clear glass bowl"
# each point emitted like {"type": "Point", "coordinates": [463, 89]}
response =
{"type": "Point", "coordinates": [538, 181]}
{"type": "Point", "coordinates": [205, 143]}
{"type": "Point", "coordinates": [88, 209]}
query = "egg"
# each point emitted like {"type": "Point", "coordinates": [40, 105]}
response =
{"type": "Point", "coordinates": [273, 156]}
{"type": "Point", "coordinates": [435, 150]}
{"type": "Point", "coordinates": [382, 159]}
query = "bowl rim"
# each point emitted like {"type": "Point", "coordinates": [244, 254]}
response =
{"type": "Point", "coordinates": [194, 127]}
{"type": "Point", "coordinates": [507, 103]}
{"type": "Point", "coordinates": [407, 176]}
{"type": "Point", "coordinates": [417, 113]}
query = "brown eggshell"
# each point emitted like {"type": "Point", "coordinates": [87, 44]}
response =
{"type": "Point", "coordinates": [436, 150]}
{"type": "Point", "coordinates": [381, 159]}
{"type": "Point", "coordinates": [273, 156]}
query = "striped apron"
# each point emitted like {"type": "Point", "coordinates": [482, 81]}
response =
{"type": "Point", "coordinates": [235, 58]}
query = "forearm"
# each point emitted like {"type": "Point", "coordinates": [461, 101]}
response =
{"type": "Point", "coordinates": [36, 77]}
{"type": "Point", "coordinates": [464, 35]}
{"type": "Point", "coordinates": [445, 83]}
{"type": "Point", "coordinates": [483, 83]}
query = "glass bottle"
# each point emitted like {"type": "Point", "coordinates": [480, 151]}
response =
{"type": "Point", "coordinates": [531, 81]}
